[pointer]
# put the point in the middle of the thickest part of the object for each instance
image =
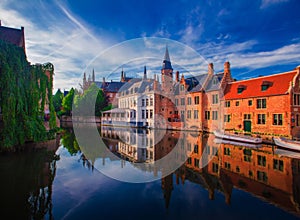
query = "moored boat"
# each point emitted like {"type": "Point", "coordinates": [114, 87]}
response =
{"type": "Point", "coordinates": [238, 138]}
{"type": "Point", "coordinates": [286, 143]}
{"type": "Point", "coordinates": [237, 143]}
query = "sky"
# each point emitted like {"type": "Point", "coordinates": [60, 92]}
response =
{"type": "Point", "coordinates": [258, 37]}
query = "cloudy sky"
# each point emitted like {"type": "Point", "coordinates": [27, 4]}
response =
{"type": "Point", "coordinates": [257, 37]}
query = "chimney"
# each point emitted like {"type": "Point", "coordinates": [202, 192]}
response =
{"type": "Point", "coordinates": [210, 69]}
{"type": "Point", "coordinates": [227, 67]}
{"type": "Point", "coordinates": [177, 76]}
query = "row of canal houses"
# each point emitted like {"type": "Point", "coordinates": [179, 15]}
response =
{"type": "Point", "coordinates": [264, 105]}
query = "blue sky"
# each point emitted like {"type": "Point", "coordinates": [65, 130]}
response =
{"type": "Point", "coordinates": [258, 37]}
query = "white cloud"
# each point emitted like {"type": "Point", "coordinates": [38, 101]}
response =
{"type": "Point", "coordinates": [267, 3]}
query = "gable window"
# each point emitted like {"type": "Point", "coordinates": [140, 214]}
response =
{"type": "Point", "coordinates": [261, 119]}
{"type": "Point", "coordinates": [181, 87]}
{"type": "Point", "coordinates": [277, 119]}
{"type": "Point", "coordinates": [261, 103]}
{"type": "Point", "coordinates": [215, 99]}
{"type": "Point", "coordinates": [240, 89]}
{"type": "Point", "coordinates": [215, 81]}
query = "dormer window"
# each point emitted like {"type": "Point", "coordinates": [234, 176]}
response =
{"type": "Point", "coordinates": [265, 85]}
{"type": "Point", "coordinates": [215, 81]}
{"type": "Point", "coordinates": [240, 89]}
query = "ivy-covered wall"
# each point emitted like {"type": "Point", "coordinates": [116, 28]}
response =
{"type": "Point", "coordinates": [24, 91]}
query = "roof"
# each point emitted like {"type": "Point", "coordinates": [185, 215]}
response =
{"type": "Point", "coordinates": [167, 62]}
{"type": "Point", "coordinates": [214, 82]}
{"type": "Point", "coordinates": [138, 85]}
{"type": "Point", "coordinates": [278, 84]}
{"type": "Point", "coordinates": [110, 86]}
{"type": "Point", "coordinates": [13, 36]}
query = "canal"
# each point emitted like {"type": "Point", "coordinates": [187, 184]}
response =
{"type": "Point", "coordinates": [212, 180]}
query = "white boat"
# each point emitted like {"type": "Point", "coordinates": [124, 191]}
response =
{"type": "Point", "coordinates": [237, 143]}
{"type": "Point", "coordinates": [288, 144]}
{"type": "Point", "coordinates": [238, 138]}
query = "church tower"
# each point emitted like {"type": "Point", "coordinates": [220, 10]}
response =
{"type": "Point", "coordinates": [167, 72]}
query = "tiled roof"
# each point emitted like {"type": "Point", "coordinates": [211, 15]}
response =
{"type": "Point", "coordinates": [110, 86]}
{"type": "Point", "coordinates": [12, 35]}
{"type": "Point", "coordinates": [278, 85]}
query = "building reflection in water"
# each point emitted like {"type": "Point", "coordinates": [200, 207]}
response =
{"type": "Point", "coordinates": [258, 170]}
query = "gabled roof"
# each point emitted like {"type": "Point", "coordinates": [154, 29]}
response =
{"type": "Point", "coordinates": [278, 85]}
{"type": "Point", "coordinates": [214, 82]}
{"type": "Point", "coordinates": [109, 86]}
{"type": "Point", "coordinates": [13, 36]}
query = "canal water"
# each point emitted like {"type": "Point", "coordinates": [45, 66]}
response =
{"type": "Point", "coordinates": [230, 182]}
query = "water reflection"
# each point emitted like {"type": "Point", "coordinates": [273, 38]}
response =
{"type": "Point", "coordinates": [26, 182]}
{"type": "Point", "coordinates": [217, 166]}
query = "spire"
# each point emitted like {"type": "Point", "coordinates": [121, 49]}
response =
{"type": "Point", "coordinates": [167, 61]}
{"type": "Point", "coordinates": [84, 76]}
{"type": "Point", "coordinates": [122, 76]}
{"type": "Point", "coordinates": [145, 73]}
{"type": "Point", "coordinates": [93, 75]}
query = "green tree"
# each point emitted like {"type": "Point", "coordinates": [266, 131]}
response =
{"type": "Point", "coordinates": [67, 102]}
{"type": "Point", "coordinates": [57, 100]}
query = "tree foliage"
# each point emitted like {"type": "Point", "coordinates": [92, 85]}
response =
{"type": "Point", "coordinates": [24, 90]}
{"type": "Point", "coordinates": [67, 102]}
{"type": "Point", "coordinates": [57, 100]}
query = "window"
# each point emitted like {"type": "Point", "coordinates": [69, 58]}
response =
{"type": "Point", "coordinates": [240, 90]}
{"type": "Point", "coordinates": [151, 113]}
{"type": "Point", "coordinates": [297, 120]}
{"type": "Point", "coordinates": [237, 103]}
{"type": "Point", "coordinates": [262, 176]}
{"type": "Point", "coordinates": [227, 118]}
{"type": "Point", "coordinates": [143, 102]}
{"type": "Point", "coordinates": [196, 162]}
{"type": "Point", "coordinates": [207, 115]}
{"type": "Point", "coordinates": [227, 104]}
{"type": "Point", "coordinates": [250, 173]}
{"type": "Point", "coordinates": [261, 119]}
{"type": "Point", "coordinates": [214, 115]}
{"type": "Point", "coordinates": [147, 102]}
{"type": "Point", "coordinates": [247, 116]}
{"type": "Point", "coordinates": [247, 155]}
{"type": "Point", "coordinates": [196, 113]}
{"type": "Point", "coordinates": [227, 151]}
{"type": "Point", "coordinates": [277, 164]}
{"type": "Point", "coordinates": [189, 160]}
{"type": "Point", "coordinates": [215, 167]}
{"type": "Point", "coordinates": [227, 165]}
{"type": "Point", "coordinates": [215, 99]}
{"type": "Point", "coordinates": [261, 103]}
{"type": "Point", "coordinates": [261, 160]}
{"type": "Point", "coordinates": [176, 102]}
{"type": "Point", "coordinates": [182, 115]}
{"type": "Point", "coordinates": [196, 148]}
{"type": "Point", "coordinates": [147, 113]}
{"type": "Point", "coordinates": [249, 102]}
{"type": "Point", "coordinates": [237, 169]}
{"type": "Point", "coordinates": [182, 101]}
{"type": "Point", "coordinates": [297, 99]}
{"type": "Point", "coordinates": [143, 113]}
{"type": "Point", "coordinates": [188, 114]}
{"type": "Point", "coordinates": [264, 87]}
{"type": "Point", "coordinates": [277, 119]}
{"type": "Point", "coordinates": [151, 101]}
{"type": "Point", "coordinates": [196, 100]}
{"type": "Point", "coordinates": [181, 87]}
{"type": "Point", "coordinates": [189, 100]}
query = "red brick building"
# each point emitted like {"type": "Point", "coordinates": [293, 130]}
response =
{"type": "Point", "coordinates": [268, 104]}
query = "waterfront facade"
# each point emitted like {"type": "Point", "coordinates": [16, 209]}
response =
{"type": "Point", "coordinates": [266, 105]}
